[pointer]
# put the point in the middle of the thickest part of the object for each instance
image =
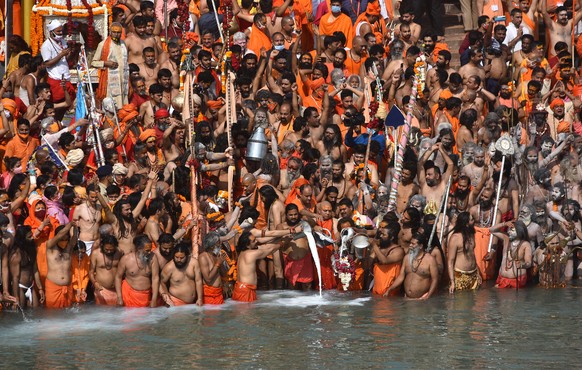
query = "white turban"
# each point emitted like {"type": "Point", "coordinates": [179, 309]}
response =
{"type": "Point", "coordinates": [74, 157]}
{"type": "Point", "coordinates": [53, 25]}
{"type": "Point", "coordinates": [107, 134]}
{"type": "Point", "coordinates": [119, 169]}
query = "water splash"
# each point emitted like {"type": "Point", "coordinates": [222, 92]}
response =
{"type": "Point", "coordinates": [313, 249]}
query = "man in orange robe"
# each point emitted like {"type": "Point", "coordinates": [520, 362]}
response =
{"type": "Point", "coordinates": [337, 21]}
{"type": "Point", "coordinates": [260, 38]}
{"type": "Point", "coordinates": [23, 145]}
{"type": "Point", "coordinates": [372, 18]}
{"type": "Point", "coordinates": [58, 296]}
{"type": "Point", "coordinates": [135, 298]}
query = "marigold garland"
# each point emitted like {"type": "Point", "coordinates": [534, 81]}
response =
{"type": "Point", "coordinates": [420, 72]}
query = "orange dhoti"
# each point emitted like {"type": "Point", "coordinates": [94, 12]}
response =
{"type": "Point", "coordinates": [135, 298]}
{"type": "Point", "coordinates": [57, 296]}
{"type": "Point", "coordinates": [177, 301]}
{"type": "Point", "coordinates": [105, 297]}
{"type": "Point", "coordinates": [486, 268]}
{"type": "Point", "coordinates": [384, 276]}
{"type": "Point", "coordinates": [213, 295]}
{"type": "Point", "coordinates": [244, 292]}
{"type": "Point", "coordinates": [327, 274]}
{"type": "Point", "coordinates": [299, 271]}
{"type": "Point", "coordinates": [503, 282]}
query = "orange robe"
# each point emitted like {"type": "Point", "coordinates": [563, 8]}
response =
{"type": "Point", "coordinates": [57, 296]}
{"type": "Point", "coordinates": [106, 297]}
{"type": "Point", "coordinates": [353, 67]}
{"type": "Point", "coordinates": [213, 295]}
{"type": "Point", "coordinates": [258, 40]}
{"type": "Point", "coordinates": [299, 271]}
{"type": "Point", "coordinates": [384, 276]}
{"type": "Point", "coordinates": [378, 28]}
{"type": "Point", "coordinates": [244, 292]}
{"type": "Point", "coordinates": [177, 301]}
{"type": "Point", "coordinates": [80, 270]}
{"type": "Point", "coordinates": [343, 23]}
{"type": "Point", "coordinates": [327, 275]}
{"type": "Point", "coordinates": [486, 268]}
{"type": "Point", "coordinates": [135, 298]}
{"type": "Point", "coordinates": [23, 150]}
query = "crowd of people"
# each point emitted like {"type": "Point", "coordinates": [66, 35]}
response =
{"type": "Point", "coordinates": [157, 198]}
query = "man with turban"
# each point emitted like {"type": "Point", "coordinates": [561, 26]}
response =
{"type": "Point", "coordinates": [54, 54]}
{"type": "Point", "coordinates": [127, 117]}
{"type": "Point", "coordinates": [559, 120]}
{"type": "Point", "coordinates": [155, 156]}
{"type": "Point", "coordinates": [260, 37]}
{"type": "Point", "coordinates": [315, 99]}
{"type": "Point", "coordinates": [111, 59]}
{"type": "Point", "coordinates": [371, 21]}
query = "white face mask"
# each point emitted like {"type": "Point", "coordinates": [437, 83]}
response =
{"type": "Point", "coordinates": [57, 37]}
{"type": "Point", "coordinates": [7, 113]}
{"type": "Point", "coordinates": [279, 47]}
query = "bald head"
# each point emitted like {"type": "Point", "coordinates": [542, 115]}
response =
{"type": "Point", "coordinates": [326, 210]}
{"type": "Point", "coordinates": [359, 45]}
{"type": "Point", "coordinates": [41, 156]}
{"type": "Point", "coordinates": [249, 183]}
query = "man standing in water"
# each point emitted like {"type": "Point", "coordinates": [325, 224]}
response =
{"type": "Point", "coordinates": [245, 289]}
{"type": "Point", "coordinates": [211, 259]}
{"type": "Point", "coordinates": [419, 271]}
{"type": "Point", "coordinates": [58, 288]}
{"type": "Point", "coordinates": [517, 255]}
{"type": "Point", "coordinates": [184, 278]}
{"type": "Point", "coordinates": [104, 262]}
{"type": "Point", "coordinates": [88, 215]}
{"type": "Point", "coordinates": [142, 276]}
{"type": "Point", "coordinates": [462, 265]}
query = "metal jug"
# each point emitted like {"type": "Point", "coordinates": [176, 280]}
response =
{"type": "Point", "coordinates": [257, 145]}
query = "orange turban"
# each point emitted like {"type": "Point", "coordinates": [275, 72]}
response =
{"type": "Point", "coordinates": [146, 134]}
{"type": "Point", "coordinates": [316, 84]}
{"type": "Point", "coordinates": [214, 104]}
{"type": "Point", "coordinates": [445, 94]}
{"type": "Point", "coordinates": [127, 110]}
{"type": "Point", "coordinates": [10, 105]}
{"type": "Point", "coordinates": [563, 127]}
{"type": "Point", "coordinates": [556, 102]}
{"type": "Point", "coordinates": [373, 8]}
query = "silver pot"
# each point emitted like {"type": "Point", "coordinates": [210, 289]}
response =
{"type": "Point", "coordinates": [257, 145]}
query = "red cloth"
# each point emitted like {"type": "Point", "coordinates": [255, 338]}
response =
{"type": "Point", "coordinates": [299, 271]}
{"type": "Point", "coordinates": [244, 292]}
{"type": "Point", "coordinates": [106, 297]}
{"type": "Point", "coordinates": [138, 100]}
{"type": "Point", "coordinates": [57, 296]}
{"type": "Point", "coordinates": [511, 283]}
{"type": "Point", "coordinates": [57, 92]}
{"type": "Point", "coordinates": [213, 295]}
{"type": "Point", "coordinates": [135, 298]}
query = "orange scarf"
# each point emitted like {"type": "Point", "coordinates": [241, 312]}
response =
{"type": "Point", "coordinates": [101, 92]}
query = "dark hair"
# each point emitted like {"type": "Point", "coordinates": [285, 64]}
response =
{"type": "Point", "coordinates": [140, 241]}
{"type": "Point", "coordinates": [108, 239]}
{"type": "Point", "coordinates": [466, 230]}
{"type": "Point", "coordinates": [156, 205]}
{"type": "Point", "coordinates": [244, 241]}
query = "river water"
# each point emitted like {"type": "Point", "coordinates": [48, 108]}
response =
{"type": "Point", "coordinates": [531, 328]}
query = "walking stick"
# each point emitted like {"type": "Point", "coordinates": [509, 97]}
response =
{"type": "Point", "coordinates": [444, 199]}
{"type": "Point", "coordinates": [505, 146]}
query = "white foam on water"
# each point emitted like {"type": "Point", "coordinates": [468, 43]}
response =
{"type": "Point", "coordinates": [302, 299]}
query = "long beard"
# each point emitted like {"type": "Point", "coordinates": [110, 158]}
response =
{"type": "Point", "coordinates": [462, 194]}
{"type": "Point", "coordinates": [128, 218]}
{"type": "Point", "coordinates": [486, 204]}
{"type": "Point", "coordinates": [328, 144]}
{"type": "Point", "coordinates": [412, 254]}
{"type": "Point", "coordinates": [532, 167]}
{"type": "Point", "coordinates": [291, 177]}
{"type": "Point", "coordinates": [290, 223]}
{"type": "Point", "coordinates": [180, 265]}
{"type": "Point", "coordinates": [384, 243]}
{"type": "Point", "coordinates": [146, 258]}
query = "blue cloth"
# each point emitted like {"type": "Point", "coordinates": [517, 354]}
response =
{"type": "Point", "coordinates": [352, 141]}
{"type": "Point", "coordinates": [81, 107]}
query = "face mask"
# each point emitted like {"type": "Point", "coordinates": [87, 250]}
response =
{"type": "Point", "coordinates": [336, 9]}
{"type": "Point", "coordinates": [57, 37]}
{"type": "Point", "coordinates": [23, 136]}
{"type": "Point", "coordinates": [40, 214]}
{"type": "Point", "coordinates": [279, 47]}
{"type": "Point", "coordinates": [7, 114]}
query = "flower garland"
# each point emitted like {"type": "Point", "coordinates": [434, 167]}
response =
{"type": "Point", "coordinates": [420, 72]}
{"type": "Point", "coordinates": [69, 16]}
{"type": "Point", "coordinates": [91, 29]}
{"type": "Point", "coordinates": [345, 269]}
{"type": "Point", "coordinates": [183, 15]}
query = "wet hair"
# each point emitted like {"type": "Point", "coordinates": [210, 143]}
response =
{"type": "Point", "coordinates": [108, 239]}
{"type": "Point", "coordinates": [156, 205]}
{"type": "Point", "coordinates": [182, 247]}
{"type": "Point", "coordinates": [210, 240]}
{"type": "Point", "coordinates": [521, 231]}
{"type": "Point", "coordinates": [463, 227]}
{"type": "Point", "coordinates": [248, 212]}
{"type": "Point", "coordinates": [244, 241]}
{"type": "Point", "coordinates": [140, 241]}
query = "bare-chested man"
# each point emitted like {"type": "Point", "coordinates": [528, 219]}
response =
{"type": "Point", "coordinates": [104, 263]}
{"type": "Point", "coordinates": [388, 256]}
{"type": "Point", "coordinates": [149, 68]}
{"type": "Point", "coordinates": [430, 180]}
{"type": "Point", "coordinates": [88, 216]}
{"type": "Point", "coordinates": [406, 187]}
{"type": "Point", "coordinates": [561, 28]}
{"type": "Point", "coordinates": [154, 227]}
{"type": "Point", "coordinates": [211, 261]}
{"type": "Point", "coordinates": [245, 289]}
{"type": "Point", "coordinates": [477, 169]}
{"type": "Point", "coordinates": [58, 288]}
{"type": "Point", "coordinates": [517, 255]}
{"type": "Point", "coordinates": [419, 271]}
{"type": "Point", "coordinates": [461, 261]}
{"type": "Point", "coordinates": [345, 188]}
{"type": "Point", "coordinates": [173, 62]}
{"type": "Point", "coordinates": [184, 278]}
{"type": "Point", "coordinates": [142, 276]}
{"type": "Point", "coordinates": [298, 260]}
{"type": "Point", "coordinates": [21, 266]}
{"type": "Point", "coordinates": [136, 42]}
{"type": "Point", "coordinates": [123, 218]}
{"type": "Point", "coordinates": [473, 68]}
